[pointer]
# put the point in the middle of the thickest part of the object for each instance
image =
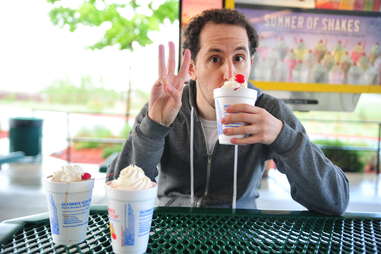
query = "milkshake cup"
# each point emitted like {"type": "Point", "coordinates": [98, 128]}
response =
{"type": "Point", "coordinates": [130, 200]}
{"type": "Point", "coordinates": [224, 97]}
{"type": "Point", "coordinates": [69, 205]}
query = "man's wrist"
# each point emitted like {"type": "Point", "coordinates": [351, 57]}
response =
{"type": "Point", "coordinates": [158, 121]}
{"type": "Point", "coordinates": [152, 128]}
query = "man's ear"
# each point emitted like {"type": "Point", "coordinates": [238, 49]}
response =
{"type": "Point", "coordinates": [192, 70]}
{"type": "Point", "coordinates": [252, 59]}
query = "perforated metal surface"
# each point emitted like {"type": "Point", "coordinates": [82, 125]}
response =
{"type": "Point", "coordinates": [35, 238]}
{"type": "Point", "coordinates": [182, 230]}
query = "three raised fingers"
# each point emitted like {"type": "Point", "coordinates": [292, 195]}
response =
{"type": "Point", "coordinates": [162, 67]}
{"type": "Point", "coordinates": [171, 59]}
{"type": "Point", "coordinates": [183, 73]}
{"type": "Point", "coordinates": [164, 72]}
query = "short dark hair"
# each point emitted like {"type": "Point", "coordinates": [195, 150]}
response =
{"type": "Point", "coordinates": [217, 16]}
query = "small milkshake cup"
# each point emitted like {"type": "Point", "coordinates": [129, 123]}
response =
{"type": "Point", "coordinates": [226, 96]}
{"type": "Point", "coordinates": [68, 205]}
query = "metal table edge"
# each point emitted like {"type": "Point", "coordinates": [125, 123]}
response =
{"type": "Point", "coordinates": [9, 227]}
{"type": "Point", "coordinates": [257, 212]}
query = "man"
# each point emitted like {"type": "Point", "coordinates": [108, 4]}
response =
{"type": "Point", "coordinates": [174, 136]}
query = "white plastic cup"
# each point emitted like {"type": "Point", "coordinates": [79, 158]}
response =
{"type": "Point", "coordinates": [130, 217]}
{"type": "Point", "coordinates": [225, 97]}
{"type": "Point", "coordinates": [69, 206]}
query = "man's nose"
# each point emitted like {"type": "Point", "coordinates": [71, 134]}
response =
{"type": "Point", "coordinates": [228, 70]}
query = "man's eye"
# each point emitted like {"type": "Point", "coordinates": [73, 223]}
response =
{"type": "Point", "coordinates": [239, 58]}
{"type": "Point", "coordinates": [215, 59]}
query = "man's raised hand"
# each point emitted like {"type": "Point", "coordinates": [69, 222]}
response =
{"type": "Point", "coordinates": [165, 98]}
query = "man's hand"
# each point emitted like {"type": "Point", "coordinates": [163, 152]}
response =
{"type": "Point", "coordinates": [261, 126]}
{"type": "Point", "coordinates": [165, 98]}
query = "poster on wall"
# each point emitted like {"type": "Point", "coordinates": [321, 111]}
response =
{"type": "Point", "coordinates": [287, 3]}
{"type": "Point", "coordinates": [356, 5]}
{"type": "Point", "coordinates": [315, 46]}
{"type": "Point", "coordinates": [191, 8]}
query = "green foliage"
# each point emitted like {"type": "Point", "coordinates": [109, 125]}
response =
{"type": "Point", "coordinates": [107, 151]}
{"type": "Point", "coordinates": [140, 97]}
{"type": "Point", "coordinates": [126, 22]}
{"type": "Point", "coordinates": [101, 132]}
{"type": "Point", "coordinates": [345, 155]}
{"type": "Point", "coordinates": [96, 132]}
{"type": "Point", "coordinates": [93, 97]}
{"type": "Point", "coordinates": [8, 97]}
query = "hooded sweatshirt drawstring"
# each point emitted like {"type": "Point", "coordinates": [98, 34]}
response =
{"type": "Point", "coordinates": [191, 157]}
{"type": "Point", "coordinates": [235, 176]}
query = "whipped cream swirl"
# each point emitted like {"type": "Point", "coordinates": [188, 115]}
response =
{"type": "Point", "coordinates": [68, 173]}
{"type": "Point", "coordinates": [132, 178]}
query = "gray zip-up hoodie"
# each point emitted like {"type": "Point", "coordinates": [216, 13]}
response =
{"type": "Point", "coordinates": [316, 183]}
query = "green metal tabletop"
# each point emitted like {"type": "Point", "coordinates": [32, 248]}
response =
{"type": "Point", "coordinates": [198, 230]}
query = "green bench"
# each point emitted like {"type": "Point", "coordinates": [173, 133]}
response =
{"type": "Point", "coordinates": [104, 166]}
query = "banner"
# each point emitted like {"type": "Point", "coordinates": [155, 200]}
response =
{"type": "Point", "coordinates": [315, 46]}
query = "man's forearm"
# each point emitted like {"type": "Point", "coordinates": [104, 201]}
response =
{"type": "Point", "coordinates": [315, 181]}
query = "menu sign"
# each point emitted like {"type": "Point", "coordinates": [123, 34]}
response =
{"type": "Point", "coordinates": [315, 46]}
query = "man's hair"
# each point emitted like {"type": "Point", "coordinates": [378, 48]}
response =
{"type": "Point", "coordinates": [217, 16]}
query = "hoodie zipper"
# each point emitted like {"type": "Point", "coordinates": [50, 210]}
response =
{"type": "Point", "coordinates": [208, 169]}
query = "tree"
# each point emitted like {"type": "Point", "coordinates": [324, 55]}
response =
{"type": "Point", "coordinates": [128, 21]}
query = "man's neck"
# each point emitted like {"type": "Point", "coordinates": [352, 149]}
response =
{"type": "Point", "coordinates": [205, 110]}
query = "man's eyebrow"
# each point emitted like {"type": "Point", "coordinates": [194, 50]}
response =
{"type": "Point", "coordinates": [240, 48]}
{"type": "Point", "coordinates": [215, 50]}
{"type": "Point", "coordinates": [219, 50]}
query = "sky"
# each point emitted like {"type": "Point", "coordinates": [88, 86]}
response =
{"type": "Point", "coordinates": [34, 53]}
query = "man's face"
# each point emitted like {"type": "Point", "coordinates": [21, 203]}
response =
{"type": "Point", "coordinates": [224, 52]}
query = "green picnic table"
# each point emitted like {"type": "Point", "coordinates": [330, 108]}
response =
{"type": "Point", "coordinates": [200, 230]}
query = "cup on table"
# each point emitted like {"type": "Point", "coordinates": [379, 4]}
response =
{"type": "Point", "coordinates": [225, 97]}
{"type": "Point", "coordinates": [130, 216]}
{"type": "Point", "coordinates": [69, 206]}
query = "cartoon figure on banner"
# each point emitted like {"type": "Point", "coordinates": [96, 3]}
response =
{"type": "Point", "coordinates": [300, 49]}
{"type": "Point", "coordinates": [357, 52]}
{"type": "Point", "coordinates": [339, 51]}
{"type": "Point", "coordinates": [291, 64]}
{"type": "Point", "coordinates": [328, 60]}
{"type": "Point", "coordinates": [281, 48]}
{"type": "Point", "coordinates": [320, 49]}
{"type": "Point", "coordinates": [374, 52]}
{"type": "Point", "coordinates": [346, 63]}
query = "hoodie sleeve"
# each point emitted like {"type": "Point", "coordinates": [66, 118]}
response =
{"type": "Point", "coordinates": [144, 147]}
{"type": "Point", "coordinates": [316, 183]}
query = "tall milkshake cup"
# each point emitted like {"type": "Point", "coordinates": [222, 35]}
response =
{"type": "Point", "coordinates": [130, 201]}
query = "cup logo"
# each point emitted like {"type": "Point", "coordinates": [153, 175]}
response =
{"type": "Point", "coordinates": [112, 232]}
{"type": "Point", "coordinates": [54, 218]}
{"type": "Point", "coordinates": [129, 231]}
